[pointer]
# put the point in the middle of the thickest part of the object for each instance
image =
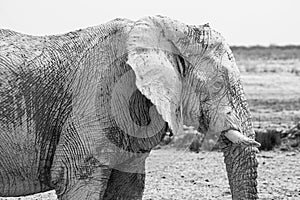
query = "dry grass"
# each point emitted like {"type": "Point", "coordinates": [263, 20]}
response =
{"type": "Point", "coordinates": [268, 59]}
{"type": "Point", "coordinates": [270, 66]}
{"type": "Point", "coordinates": [266, 53]}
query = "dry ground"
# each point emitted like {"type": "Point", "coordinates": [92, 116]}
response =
{"type": "Point", "coordinates": [178, 175]}
{"type": "Point", "coordinates": [181, 175]}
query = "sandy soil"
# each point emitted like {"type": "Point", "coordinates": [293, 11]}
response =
{"type": "Point", "coordinates": [180, 174]}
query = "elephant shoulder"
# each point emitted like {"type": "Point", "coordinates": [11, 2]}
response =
{"type": "Point", "coordinates": [16, 49]}
{"type": "Point", "coordinates": [19, 51]}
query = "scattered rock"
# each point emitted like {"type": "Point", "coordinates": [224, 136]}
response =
{"type": "Point", "coordinates": [292, 154]}
{"type": "Point", "coordinates": [284, 149]}
{"type": "Point", "coordinates": [263, 156]}
{"type": "Point", "coordinates": [227, 193]}
{"type": "Point", "coordinates": [295, 144]}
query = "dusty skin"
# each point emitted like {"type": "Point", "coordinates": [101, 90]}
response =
{"type": "Point", "coordinates": [272, 88]}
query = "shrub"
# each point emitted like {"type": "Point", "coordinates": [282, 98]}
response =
{"type": "Point", "coordinates": [183, 141]}
{"type": "Point", "coordinates": [268, 139]}
{"type": "Point", "coordinates": [196, 144]}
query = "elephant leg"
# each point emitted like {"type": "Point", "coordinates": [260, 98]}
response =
{"type": "Point", "coordinates": [127, 183]}
{"type": "Point", "coordinates": [77, 171]}
{"type": "Point", "coordinates": [241, 166]}
{"type": "Point", "coordinates": [90, 188]}
{"type": "Point", "coordinates": [89, 181]}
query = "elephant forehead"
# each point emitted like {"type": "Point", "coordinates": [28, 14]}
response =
{"type": "Point", "coordinates": [202, 76]}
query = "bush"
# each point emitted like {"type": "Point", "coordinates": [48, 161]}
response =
{"type": "Point", "coordinates": [196, 144]}
{"type": "Point", "coordinates": [268, 139]}
{"type": "Point", "coordinates": [183, 141]}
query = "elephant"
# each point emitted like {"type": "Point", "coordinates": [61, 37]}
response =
{"type": "Point", "coordinates": [80, 112]}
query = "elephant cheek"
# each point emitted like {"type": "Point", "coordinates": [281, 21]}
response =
{"type": "Point", "coordinates": [224, 119]}
{"type": "Point", "coordinates": [217, 123]}
{"type": "Point", "coordinates": [220, 121]}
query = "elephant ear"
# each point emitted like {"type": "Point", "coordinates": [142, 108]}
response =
{"type": "Point", "coordinates": [157, 78]}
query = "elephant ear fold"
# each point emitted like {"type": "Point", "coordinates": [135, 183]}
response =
{"type": "Point", "coordinates": [158, 80]}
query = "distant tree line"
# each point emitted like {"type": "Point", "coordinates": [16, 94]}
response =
{"type": "Point", "coordinates": [274, 52]}
{"type": "Point", "coordinates": [260, 47]}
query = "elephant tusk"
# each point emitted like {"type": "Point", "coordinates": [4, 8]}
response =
{"type": "Point", "coordinates": [237, 138]}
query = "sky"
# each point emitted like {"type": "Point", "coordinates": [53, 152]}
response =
{"type": "Point", "coordinates": [241, 22]}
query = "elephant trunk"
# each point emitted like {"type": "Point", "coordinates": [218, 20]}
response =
{"type": "Point", "coordinates": [241, 166]}
{"type": "Point", "coordinates": [240, 160]}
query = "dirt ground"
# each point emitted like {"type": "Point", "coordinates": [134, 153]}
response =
{"type": "Point", "coordinates": [173, 174]}
{"type": "Point", "coordinates": [178, 174]}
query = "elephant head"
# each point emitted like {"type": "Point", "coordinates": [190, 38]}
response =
{"type": "Point", "coordinates": [190, 75]}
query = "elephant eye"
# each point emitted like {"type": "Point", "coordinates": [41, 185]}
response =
{"type": "Point", "coordinates": [216, 89]}
{"type": "Point", "coordinates": [218, 85]}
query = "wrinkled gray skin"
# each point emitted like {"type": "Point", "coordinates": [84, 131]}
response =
{"type": "Point", "coordinates": [72, 118]}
